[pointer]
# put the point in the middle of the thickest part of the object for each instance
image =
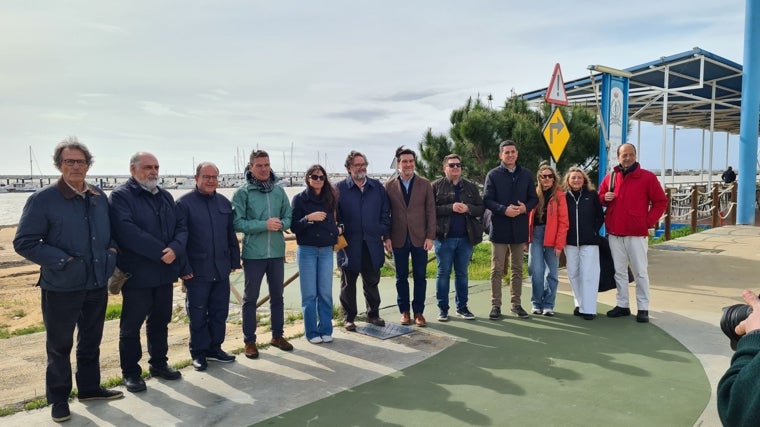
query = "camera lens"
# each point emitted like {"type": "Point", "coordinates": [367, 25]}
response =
{"type": "Point", "coordinates": [732, 316]}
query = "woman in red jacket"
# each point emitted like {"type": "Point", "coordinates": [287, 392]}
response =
{"type": "Point", "coordinates": [548, 227]}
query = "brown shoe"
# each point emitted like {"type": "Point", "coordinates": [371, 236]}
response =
{"type": "Point", "coordinates": [350, 326]}
{"type": "Point", "coordinates": [251, 351]}
{"type": "Point", "coordinates": [376, 321]}
{"type": "Point", "coordinates": [419, 320]}
{"type": "Point", "coordinates": [405, 318]}
{"type": "Point", "coordinates": [282, 344]}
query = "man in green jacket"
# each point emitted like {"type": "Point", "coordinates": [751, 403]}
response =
{"type": "Point", "coordinates": [262, 213]}
{"type": "Point", "coordinates": [739, 389]}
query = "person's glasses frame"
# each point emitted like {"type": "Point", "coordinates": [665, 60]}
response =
{"type": "Point", "coordinates": [455, 165]}
{"type": "Point", "coordinates": [315, 177]}
{"type": "Point", "coordinates": [72, 162]}
{"type": "Point", "coordinates": [547, 176]}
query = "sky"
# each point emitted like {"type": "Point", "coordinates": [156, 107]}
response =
{"type": "Point", "coordinates": [309, 81]}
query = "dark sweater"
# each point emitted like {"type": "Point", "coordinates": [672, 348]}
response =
{"type": "Point", "coordinates": [317, 233]}
{"type": "Point", "coordinates": [739, 389]}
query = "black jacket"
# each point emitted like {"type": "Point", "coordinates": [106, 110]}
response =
{"type": "Point", "coordinates": [443, 193]}
{"type": "Point", "coordinates": [586, 217]}
{"type": "Point", "coordinates": [504, 188]}
{"type": "Point", "coordinates": [318, 233]}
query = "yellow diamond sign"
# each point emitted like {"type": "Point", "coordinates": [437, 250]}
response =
{"type": "Point", "coordinates": [556, 134]}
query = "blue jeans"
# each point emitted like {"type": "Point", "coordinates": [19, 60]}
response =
{"type": "Point", "coordinates": [419, 263]}
{"type": "Point", "coordinates": [452, 252]}
{"type": "Point", "coordinates": [543, 266]}
{"type": "Point", "coordinates": [315, 268]}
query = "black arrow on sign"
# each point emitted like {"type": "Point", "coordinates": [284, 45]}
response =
{"type": "Point", "coordinates": [555, 128]}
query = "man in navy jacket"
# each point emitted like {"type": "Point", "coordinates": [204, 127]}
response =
{"type": "Point", "coordinates": [364, 211]}
{"type": "Point", "coordinates": [66, 230]}
{"type": "Point", "coordinates": [213, 252]}
{"type": "Point", "coordinates": [152, 235]}
{"type": "Point", "coordinates": [510, 194]}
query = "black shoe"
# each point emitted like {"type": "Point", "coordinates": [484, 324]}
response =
{"type": "Point", "coordinates": [588, 316]}
{"type": "Point", "coordinates": [518, 310]}
{"type": "Point", "coordinates": [619, 312]}
{"type": "Point", "coordinates": [199, 363]}
{"type": "Point", "coordinates": [100, 394]}
{"type": "Point", "coordinates": [376, 321]}
{"type": "Point", "coordinates": [642, 316]}
{"type": "Point", "coordinates": [220, 356]}
{"type": "Point", "coordinates": [134, 384]}
{"type": "Point", "coordinates": [165, 372]}
{"type": "Point", "coordinates": [577, 311]}
{"type": "Point", "coordinates": [495, 313]}
{"type": "Point", "coordinates": [60, 412]}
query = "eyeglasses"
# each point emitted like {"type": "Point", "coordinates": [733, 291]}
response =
{"type": "Point", "coordinates": [547, 176]}
{"type": "Point", "coordinates": [316, 177]}
{"type": "Point", "coordinates": [359, 165]}
{"type": "Point", "coordinates": [454, 165]}
{"type": "Point", "coordinates": [210, 177]}
{"type": "Point", "coordinates": [72, 162]}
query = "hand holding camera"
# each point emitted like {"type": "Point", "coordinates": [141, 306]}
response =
{"type": "Point", "coordinates": [741, 319]}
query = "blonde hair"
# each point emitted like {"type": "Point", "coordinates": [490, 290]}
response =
{"type": "Point", "coordinates": [540, 191]}
{"type": "Point", "coordinates": [587, 184]}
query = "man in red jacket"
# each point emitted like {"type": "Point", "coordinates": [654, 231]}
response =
{"type": "Point", "coordinates": [635, 202]}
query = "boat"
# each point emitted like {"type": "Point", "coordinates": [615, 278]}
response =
{"type": "Point", "coordinates": [25, 186]}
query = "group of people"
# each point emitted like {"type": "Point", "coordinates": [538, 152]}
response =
{"type": "Point", "coordinates": [79, 236]}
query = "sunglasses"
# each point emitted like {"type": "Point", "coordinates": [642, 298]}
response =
{"type": "Point", "coordinates": [317, 177]}
{"type": "Point", "coordinates": [454, 165]}
{"type": "Point", "coordinates": [547, 176]}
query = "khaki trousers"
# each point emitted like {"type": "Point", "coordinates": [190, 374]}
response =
{"type": "Point", "coordinates": [499, 253]}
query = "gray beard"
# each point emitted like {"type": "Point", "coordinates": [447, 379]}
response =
{"type": "Point", "coordinates": [149, 184]}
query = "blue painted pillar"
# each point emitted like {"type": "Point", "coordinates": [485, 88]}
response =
{"type": "Point", "coordinates": [750, 115]}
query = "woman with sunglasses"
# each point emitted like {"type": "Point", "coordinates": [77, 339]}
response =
{"type": "Point", "coordinates": [548, 226]}
{"type": "Point", "coordinates": [316, 233]}
{"type": "Point", "coordinates": [582, 250]}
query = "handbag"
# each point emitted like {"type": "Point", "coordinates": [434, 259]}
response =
{"type": "Point", "coordinates": [342, 243]}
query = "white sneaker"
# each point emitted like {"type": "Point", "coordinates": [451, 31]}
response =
{"type": "Point", "coordinates": [316, 340]}
{"type": "Point", "coordinates": [327, 338]}
{"type": "Point", "coordinates": [537, 311]}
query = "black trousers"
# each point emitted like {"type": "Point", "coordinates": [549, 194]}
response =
{"type": "Point", "coordinates": [154, 307]}
{"type": "Point", "coordinates": [370, 280]}
{"type": "Point", "coordinates": [207, 305]}
{"type": "Point", "coordinates": [62, 312]}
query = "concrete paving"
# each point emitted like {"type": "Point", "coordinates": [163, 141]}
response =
{"type": "Point", "coordinates": [692, 279]}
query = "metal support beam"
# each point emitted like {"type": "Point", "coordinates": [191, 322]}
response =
{"type": "Point", "coordinates": [750, 114]}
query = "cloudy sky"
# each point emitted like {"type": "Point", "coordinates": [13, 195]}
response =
{"type": "Point", "coordinates": [203, 80]}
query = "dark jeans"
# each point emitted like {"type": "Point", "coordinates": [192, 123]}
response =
{"type": "Point", "coordinates": [61, 313]}
{"type": "Point", "coordinates": [254, 270]}
{"type": "Point", "coordinates": [207, 304]}
{"type": "Point", "coordinates": [154, 307]}
{"type": "Point", "coordinates": [370, 280]}
{"type": "Point", "coordinates": [419, 263]}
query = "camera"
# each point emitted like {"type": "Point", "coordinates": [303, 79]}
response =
{"type": "Point", "coordinates": [732, 316]}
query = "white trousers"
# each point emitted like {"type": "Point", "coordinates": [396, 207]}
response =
{"type": "Point", "coordinates": [631, 250]}
{"type": "Point", "coordinates": [583, 272]}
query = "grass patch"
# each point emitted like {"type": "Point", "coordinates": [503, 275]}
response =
{"type": "Point", "coordinates": [292, 317]}
{"type": "Point", "coordinates": [5, 333]}
{"type": "Point", "coordinates": [36, 404]}
{"type": "Point", "coordinates": [113, 312]}
{"type": "Point", "coordinates": [17, 314]}
{"type": "Point", "coordinates": [4, 412]}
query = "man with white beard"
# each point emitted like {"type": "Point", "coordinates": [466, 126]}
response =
{"type": "Point", "coordinates": [151, 234]}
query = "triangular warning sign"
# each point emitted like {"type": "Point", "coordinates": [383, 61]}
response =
{"type": "Point", "coordinates": [555, 93]}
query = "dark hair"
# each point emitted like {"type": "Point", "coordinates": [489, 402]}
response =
{"type": "Point", "coordinates": [626, 143]}
{"type": "Point", "coordinates": [400, 151]}
{"type": "Point", "coordinates": [201, 165]}
{"type": "Point", "coordinates": [257, 154]}
{"type": "Point", "coordinates": [72, 143]}
{"type": "Point", "coordinates": [329, 193]}
{"type": "Point", "coordinates": [351, 156]}
{"type": "Point", "coordinates": [506, 143]}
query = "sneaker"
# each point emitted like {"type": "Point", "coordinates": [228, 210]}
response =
{"type": "Point", "coordinates": [316, 340]}
{"type": "Point", "coordinates": [60, 412]}
{"type": "Point", "coordinates": [100, 394]}
{"type": "Point", "coordinates": [443, 316]}
{"type": "Point", "coordinates": [642, 316]}
{"type": "Point", "coordinates": [465, 314]}
{"type": "Point", "coordinates": [376, 321]}
{"type": "Point", "coordinates": [549, 312]}
{"type": "Point", "coordinates": [537, 311]}
{"type": "Point", "coordinates": [588, 316]}
{"type": "Point", "coordinates": [619, 312]}
{"type": "Point", "coordinates": [251, 351]}
{"type": "Point", "coordinates": [495, 313]}
{"type": "Point", "coordinates": [281, 343]}
{"type": "Point", "coordinates": [220, 356]}
{"type": "Point", "coordinates": [518, 310]}
{"type": "Point", "coordinates": [327, 338]}
{"type": "Point", "coordinates": [200, 364]}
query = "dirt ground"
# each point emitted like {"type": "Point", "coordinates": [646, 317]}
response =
{"type": "Point", "coordinates": [22, 374]}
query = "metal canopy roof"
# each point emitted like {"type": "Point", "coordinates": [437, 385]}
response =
{"type": "Point", "coordinates": [695, 81]}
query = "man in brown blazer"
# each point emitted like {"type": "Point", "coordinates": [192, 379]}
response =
{"type": "Point", "coordinates": [412, 232]}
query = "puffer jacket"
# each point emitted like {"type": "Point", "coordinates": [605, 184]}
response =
{"type": "Point", "coordinates": [555, 234]}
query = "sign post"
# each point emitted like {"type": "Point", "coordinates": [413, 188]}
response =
{"type": "Point", "coordinates": [555, 130]}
